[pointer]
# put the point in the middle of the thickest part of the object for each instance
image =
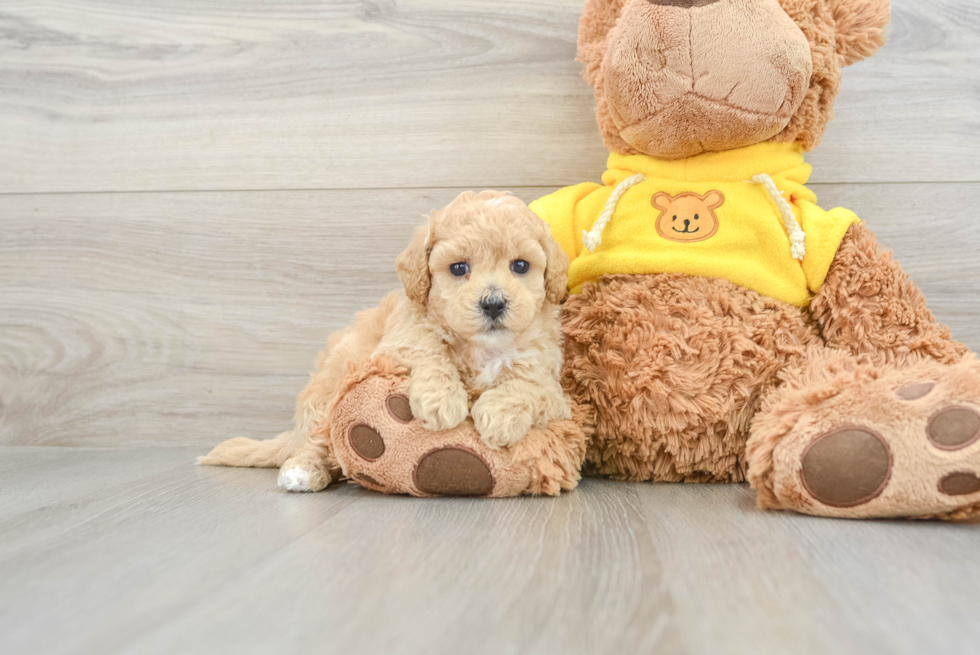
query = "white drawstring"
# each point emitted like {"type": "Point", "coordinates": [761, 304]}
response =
{"type": "Point", "coordinates": [593, 239]}
{"type": "Point", "coordinates": [797, 237]}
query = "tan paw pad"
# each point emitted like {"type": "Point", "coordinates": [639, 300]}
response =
{"type": "Point", "coordinates": [915, 391]}
{"type": "Point", "coordinates": [846, 467]}
{"type": "Point", "coordinates": [954, 428]}
{"type": "Point", "coordinates": [366, 441]}
{"type": "Point", "coordinates": [453, 471]}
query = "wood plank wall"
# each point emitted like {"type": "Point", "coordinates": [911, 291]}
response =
{"type": "Point", "coordinates": [192, 195]}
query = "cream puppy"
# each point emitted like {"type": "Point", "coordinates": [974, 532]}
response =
{"type": "Point", "coordinates": [483, 280]}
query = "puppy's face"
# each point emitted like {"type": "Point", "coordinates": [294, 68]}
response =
{"type": "Point", "coordinates": [490, 267]}
{"type": "Point", "coordinates": [485, 282]}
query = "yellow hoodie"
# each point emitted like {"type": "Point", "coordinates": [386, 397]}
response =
{"type": "Point", "coordinates": [714, 215]}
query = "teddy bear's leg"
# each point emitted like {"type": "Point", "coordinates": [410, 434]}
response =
{"type": "Point", "coordinates": [849, 437]}
{"type": "Point", "coordinates": [884, 421]}
{"type": "Point", "coordinates": [382, 446]}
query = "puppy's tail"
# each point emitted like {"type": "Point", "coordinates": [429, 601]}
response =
{"type": "Point", "coordinates": [250, 453]}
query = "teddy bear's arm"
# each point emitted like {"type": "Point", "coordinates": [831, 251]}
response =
{"type": "Point", "coordinates": [559, 211]}
{"type": "Point", "coordinates": [868, 305]}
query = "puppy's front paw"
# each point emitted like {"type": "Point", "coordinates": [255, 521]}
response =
{"type": "Point", "coordinates": [439, 406]}
{"type": "Point", "coordinates": [501, 420]}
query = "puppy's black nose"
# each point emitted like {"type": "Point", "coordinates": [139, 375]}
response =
{"type": "Point", "coordinates": [493, 306]}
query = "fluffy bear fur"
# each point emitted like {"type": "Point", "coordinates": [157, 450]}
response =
{"type": "Point", "coordinates": [675, 368]}
{"type": "Point", "coordinates": [545, 462]}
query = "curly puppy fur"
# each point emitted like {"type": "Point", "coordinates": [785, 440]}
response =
{"type": "Point", "coordinates": [439, 331]}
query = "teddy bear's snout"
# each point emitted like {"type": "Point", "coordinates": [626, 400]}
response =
{"type": "Point", "coordinates": [683, 4]}
{"type": "Point", "coordinates": [682, 77]}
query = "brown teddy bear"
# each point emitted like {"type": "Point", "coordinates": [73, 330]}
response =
{"type": "Point", "coordinates": [723, 327]}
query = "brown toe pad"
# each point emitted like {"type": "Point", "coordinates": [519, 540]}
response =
{"type": "Point", "coordinates": [453, 471]}
{"type": "Point", "coordinates": [846, 467]}
{"type": "Point", "coordinates": [959, 484]}
{"type": "Point", "coordinates": [953, 428]}
{"type": "Point", "coordinates": [366, 442]}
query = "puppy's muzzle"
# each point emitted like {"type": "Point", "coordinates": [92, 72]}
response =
{"type": "Point", "coordinates": [493, 306]}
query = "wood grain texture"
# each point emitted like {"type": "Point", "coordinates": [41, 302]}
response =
{"type": "Point", "coordinates": [122, 95]}
{"type": "Point", "coordinates": [141, 552]}
{"type": "Point", "coordinates": [187, 318]}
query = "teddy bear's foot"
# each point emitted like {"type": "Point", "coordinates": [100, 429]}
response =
{"type": "Point", "coordinates": [875, 443]}
{"type": "Point", "coordinates": [382, 446]}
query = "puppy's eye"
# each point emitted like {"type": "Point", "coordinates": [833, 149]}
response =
{"type": "Point", "coordinates": [696, 217]}
{"type": "Point", "coordinates": [459, 269]}
{"type": "Point", "coordinates": [520, 266]}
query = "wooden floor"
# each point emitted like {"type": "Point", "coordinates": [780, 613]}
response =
{"type": "Point", "coordinates": [194, 194]}
{"type": "Point", "coordinates": [138, 551]}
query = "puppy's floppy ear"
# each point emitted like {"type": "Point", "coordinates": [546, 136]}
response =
{"type": "Point", "coordinates": [556, 272]}
{"type": "Point", "coordinates": [860, 27]}
{"type": "Point", "coordinates": [413, 265]}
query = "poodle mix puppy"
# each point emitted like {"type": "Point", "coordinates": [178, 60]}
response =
{"type": "Point", "coordinates": [479, 318]}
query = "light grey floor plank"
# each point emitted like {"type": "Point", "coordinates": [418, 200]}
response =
{"type": "Point", "coordinates": [104, 565]}
{"type": "Point", "coordinates": [186, 318]}
{"type": "Point", "coordinates": [203, 560]}
{"type": "Point", "coordinates": [116, 95]}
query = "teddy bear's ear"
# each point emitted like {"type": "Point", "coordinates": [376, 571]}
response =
{"type": "Point", "coordinates": [714, 199]}
{"type": "Point", "coordinates": [661, 201]}
{"type": "Point", "coordinates": [860, 27]}
{"type": "Point", "coordinates": [598, 17]}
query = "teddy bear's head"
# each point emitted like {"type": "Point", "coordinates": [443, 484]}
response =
{"type": "Point", "coordinates": [677, 78]}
